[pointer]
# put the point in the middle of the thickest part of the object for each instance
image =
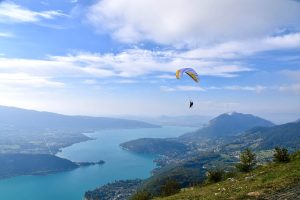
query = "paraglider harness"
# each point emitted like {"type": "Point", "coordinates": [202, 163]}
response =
{"type": "Point", "coordinates": [191, 104]}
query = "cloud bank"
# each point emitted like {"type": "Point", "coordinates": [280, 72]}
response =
{"type": "Point", "coordinates": [193, 22]}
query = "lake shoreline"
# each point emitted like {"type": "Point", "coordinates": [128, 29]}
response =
{"type": "Point", "coordinates": [104, 145]}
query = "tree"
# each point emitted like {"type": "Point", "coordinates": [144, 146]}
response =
{"type": "Point", "coordinates": [281, 155]}
{"type": "Point", "coordinates": [141, 195]}
{"type": "Point", "coordinates": [247, 161]}
{"type": "Point", "coordinates": [215, 175]}
{"type": "Point", "coordinates": [170, 187]}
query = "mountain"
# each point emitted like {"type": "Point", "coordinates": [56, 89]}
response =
{"type": "Point", "coordinates": [228, 124]}
{"type": "Point", "coordinates": [188, 120]}
{"type": "Point", "coordinates": [210, 137]}
{"type": "Point", "coordinates": [261, 138]}
{"type": "Point", "coordinates": [165, 120]}
{"type": "Point", "coordinates": [29, 119]}
{"type": "Point", "coordinates": [33, 132]}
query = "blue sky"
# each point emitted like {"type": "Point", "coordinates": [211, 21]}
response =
{"type": "Point", "coordinates": [117, 57]}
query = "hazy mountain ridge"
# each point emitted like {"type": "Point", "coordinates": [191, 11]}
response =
{"type": "Point", "coordinates": [24, 119]}
{"type": "Point", "coordinates": [29, 131]}
{"type": "Point", "coordinates": [228, 124]}
{"type": "Point", "coordinates": [166, 120]}
{"type": "Point", "coordinates": [221, 128]}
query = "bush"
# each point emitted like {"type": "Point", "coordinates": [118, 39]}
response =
{"type": "Point", "coordinates": [248, 161]}
{"type": "Point", "coordinates": [215, 175]}
{"type": "Point", "coordinates": [230, 174]}
{"type": "Point", "coordinates": [170, 187]}
{"type": "Point", "coordinates": [141, 195]}
{"type": "Point", "coordinates": [281, 155]}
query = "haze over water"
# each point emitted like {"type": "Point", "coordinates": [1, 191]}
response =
{"type": "Point", "coordinates": [120, 164]}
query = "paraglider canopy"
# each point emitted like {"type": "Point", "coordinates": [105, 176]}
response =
{"type": "Point", "coordinates": [189, 71]}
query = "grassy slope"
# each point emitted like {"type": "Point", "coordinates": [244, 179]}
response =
{"type": "Point", "coordinates": [265, 181]}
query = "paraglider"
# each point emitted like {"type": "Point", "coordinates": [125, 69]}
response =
{"type": "Point", "coordinates": [191, 104]}
{"type": "Point", "coordinates": [192, 73]}
{"type": "Point", "coordinates": [189, 71]}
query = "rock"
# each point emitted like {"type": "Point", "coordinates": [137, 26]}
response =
{"type": "Point", "coordinates": [231, 179]}
{"type": "Point", "coordinates": [247, 178]}
{"type": "Point", "coordinates": [254, 194]}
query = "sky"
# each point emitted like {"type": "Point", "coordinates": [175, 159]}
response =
{"type": "Point", "coordinates": [119, 57]}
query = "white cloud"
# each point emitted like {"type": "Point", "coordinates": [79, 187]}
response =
{"type": "Point", "coordinates": [284, 41]}
{"type": "Point", "coordinates": [26, 80]}
{"type": "Point", "coordinates": [130, 63]}
{"type": "Point", "coordinates": [181, 88]}
{"type": "Point", "coordinates": [237, 49]}
{"type": "Point", "coordinates": [178, 22]}
{"type": "Point", "coordinates": [257, 88]}
{"type": "Point", "coordinates": [90, 82]}
{"type": "Point", "coordinates": [167, 89]}
{"type": "Point", "coordinates": [6, 35]}
{"type": "Point", "coordinates": [166, 76]}
{"type": "Point", "coordinates": [294, 75]}
{"type": "Point", "coordinates": [190, 88]}
{"type": "Point", "coordinates": [13, 13]}
{"type": "Point", "coordinates": [221, 60]}
{"type": "Point", "coordinates": [126, 81]}
{"type": "Point", "coordinates": [291, 88]}
{"type": "Point", "coordinates": [295, 88]}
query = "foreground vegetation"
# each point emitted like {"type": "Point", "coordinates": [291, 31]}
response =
{"type": "Point", "coordinates": [272, 181]}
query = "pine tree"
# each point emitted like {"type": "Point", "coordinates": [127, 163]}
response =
{"type": "Point", "coordinates": [247, 161]}
{"type": "Point", "coordinates": [281, 155]}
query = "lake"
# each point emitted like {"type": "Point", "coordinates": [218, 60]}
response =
{"type": "Point", "coordinates": [71, 185]}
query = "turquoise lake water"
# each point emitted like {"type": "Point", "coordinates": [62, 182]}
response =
{"type": "Point", "coordinates": [71, 185]}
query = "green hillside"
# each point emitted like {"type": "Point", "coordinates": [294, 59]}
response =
{"type": "Point", "coordinates": [28, 164]}
{"type": "Point", "coordinates": [273, 181]}
{"type": "Point", "coordinates": [286, 135]}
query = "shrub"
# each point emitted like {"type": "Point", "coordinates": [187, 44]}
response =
{"type": "Point", "coordinates": [281, 155]}
{"type": "Point", "coordinates": [170, 187]}
{"type": "Point", "coordinates": [141, 195]}
{"type": "Point", "coordinates": [215, 175]}
{"type": "Point", "coordinates": [230, 174]}
{"type": "Point", "coordinates": [247, 161]}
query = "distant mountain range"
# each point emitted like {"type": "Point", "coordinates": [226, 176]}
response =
{"type": "Point", "coordinates": [34, 132]}
{"type": "Point", "coordinates": [165, 120]}
{"type": "Point", "coordinates": [228, 124]}
{"type": "Point", "coordinates": [30, 119]}
{"type": "Point", "coordinates": [229, 132]}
